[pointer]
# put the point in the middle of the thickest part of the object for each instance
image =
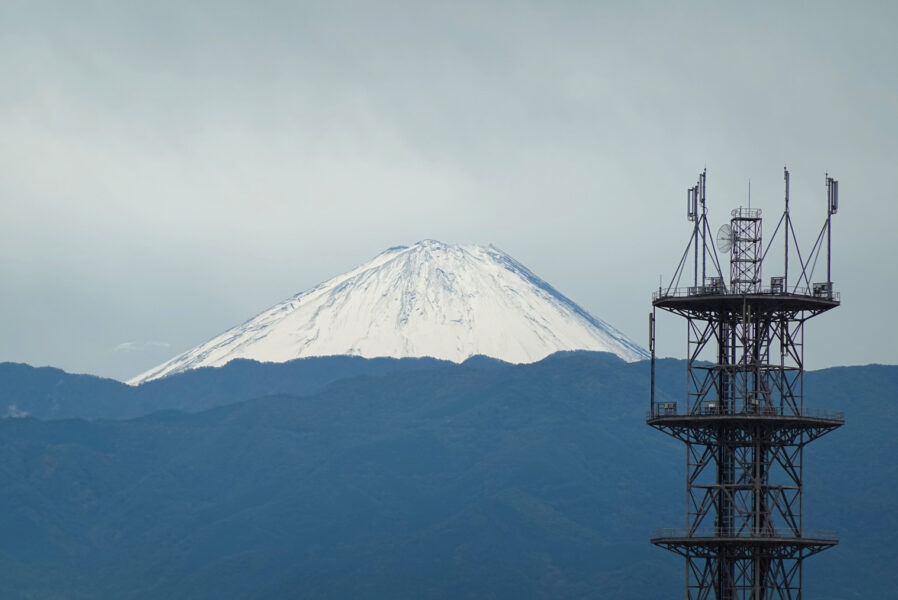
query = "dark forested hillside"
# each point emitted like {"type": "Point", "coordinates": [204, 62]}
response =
{"type": "Point", "coordinates": [537, 481]}
{"type": "Point", "coordinates": [49, 393]}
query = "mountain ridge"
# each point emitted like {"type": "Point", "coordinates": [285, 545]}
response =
{"type": "Point", "coordinates": [444, 301]}
{"type": "Point", "coordinates": [539, 480]}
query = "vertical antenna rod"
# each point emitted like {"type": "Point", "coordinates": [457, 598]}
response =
{"type": "Point", "coordinates": [652, 351]}
{"type": "Point", "coordinates": [691, 210]}
{"type": "Point", "coordinates": [832, 199]}
{"type": "Point", "coordinates": [704, 222]}
{"type": "Point", "coordinates": [786, 272]}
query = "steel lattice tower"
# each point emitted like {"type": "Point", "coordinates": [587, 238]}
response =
{"type": "Point", "coordinates": [744, 419]}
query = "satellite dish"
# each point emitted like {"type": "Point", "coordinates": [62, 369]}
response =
{"type": "Point", "coordinates": [725, 238]}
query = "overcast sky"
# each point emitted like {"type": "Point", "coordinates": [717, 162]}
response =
{"type": "Point", "coordinates": [169, 171]}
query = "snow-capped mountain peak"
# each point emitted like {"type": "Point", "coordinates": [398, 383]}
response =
{"type": "Point", "coordinates": [429, 299]}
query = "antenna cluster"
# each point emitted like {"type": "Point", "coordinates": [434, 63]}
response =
{"type": "Point", "coordinates": [740, 240]}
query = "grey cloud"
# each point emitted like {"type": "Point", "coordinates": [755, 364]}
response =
{"type": "Point", "coordinates": [172, 168]}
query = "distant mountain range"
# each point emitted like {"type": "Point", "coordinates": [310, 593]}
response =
{"type": "Point", "coordinates": [50, 393]}
{"type": "Point", "coordinates": [399, 478]}
{"type": "Point", "coordinates": [426, 300]}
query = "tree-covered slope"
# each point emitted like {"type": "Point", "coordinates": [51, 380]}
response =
{"type": "Point", "coordinates": [50, 393]}
{"type": "Point", "coordinates": [536, 481]}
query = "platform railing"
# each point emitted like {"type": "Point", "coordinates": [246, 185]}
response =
{"type": "Point", "coordinates": [771, 533]}
{"type": "Point", "coordinates": [720, 290]}
{"type": "Point", "coordinates": [670, 409]}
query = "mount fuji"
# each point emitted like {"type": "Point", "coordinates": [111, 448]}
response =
{"type": "Point", "coordinates": [429, 299]}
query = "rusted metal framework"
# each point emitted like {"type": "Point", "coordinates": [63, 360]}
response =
{"type": "Point", "coordinates": [744, 420]}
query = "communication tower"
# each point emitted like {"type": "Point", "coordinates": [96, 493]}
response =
{"type": "Point", "coordinates": [744, 420]}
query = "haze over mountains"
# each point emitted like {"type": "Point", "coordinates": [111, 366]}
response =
{"type": "Point", "coordinates": [430, 299]}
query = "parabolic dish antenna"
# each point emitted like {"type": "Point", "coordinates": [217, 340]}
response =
{"type": "Point", "coordinates": [725, 238]}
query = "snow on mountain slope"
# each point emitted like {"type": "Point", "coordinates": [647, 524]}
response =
{"type": "Point", "coordinates": [429, 299]}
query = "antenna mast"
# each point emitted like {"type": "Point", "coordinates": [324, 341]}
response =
{"type": "Point", "coordinates": [786, 230]}
{"type": "Point", "coordinates": [692, 215]}
{"type": "Point", "coordinates": [704, 224]}
{"type": "Point", "coordinates": [832, 200]}
{"type": "Point", "coordinates": [744, 420]}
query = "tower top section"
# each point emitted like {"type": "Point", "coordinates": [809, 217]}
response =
{"type": "Point", "coordinates": [741, 241]}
